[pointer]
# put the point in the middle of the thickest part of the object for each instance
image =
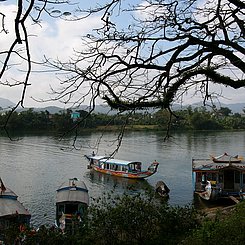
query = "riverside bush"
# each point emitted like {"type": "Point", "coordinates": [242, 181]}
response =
{"type": "Point", "coordinates": [224, 229]}
{"type": "Point", "coordinates": [143, 219]}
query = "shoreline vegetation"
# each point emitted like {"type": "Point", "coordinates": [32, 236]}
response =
{"type": "Point", "coordinates": [141, 220]}
{"type": "Point", "coordinates": [184, 120]}
{"type": "Point", "coordinates": [130, 128]}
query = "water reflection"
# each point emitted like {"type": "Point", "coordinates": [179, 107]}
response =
{"type": "Point", "coordinates": [104, 183]}
{"type": "Point", "coordinates": [118, 184]}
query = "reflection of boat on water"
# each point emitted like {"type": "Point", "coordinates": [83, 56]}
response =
{"type": "Point", "coordinates": [11, 210]}
{"type": "Point", "coordinates": [219, 177]}
{"type": "Point", "coordinates": [120, 168]}
{"type": "Point", "coordinates": [121, 185]}
{"type": "Point", "coordinates": [72, 200]}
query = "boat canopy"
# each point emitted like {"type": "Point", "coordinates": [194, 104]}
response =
{"type": "Point", "coordinates": [76, 191]}
{"type": "Point", "coordinates": [10, 205]}
{"type": "Point", "coordinates": [120, 162]}
{"type": "Point", "coordinates": [226, 158]}
{"type": "Point", "coordinates": [113, 161]}
{"type": "Point", "coordinates": [207, 165]}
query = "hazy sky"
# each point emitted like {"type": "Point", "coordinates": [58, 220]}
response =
{"type": "Point", "coordinates": [53, 38]}
{"type": "Point", "coordinates": [57, 38]}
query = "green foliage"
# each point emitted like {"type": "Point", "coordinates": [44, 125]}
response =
{"type": "Point", "coordinates": [140, 219]}
{"type": "Point", "coordinates": [122, 220]}
{"type": "Point", "coordinates": [42, 236]}
{"type": "Point", "coordinates": [204, 121]}
{"type": "Point", "coordinates": [137, 219]}
{"type": "Point", "coordinates": [224, 111]}
{"type": "Point", "coordinates": [223, 230]}
{"type": "Point", "coordinates": [187, 119]}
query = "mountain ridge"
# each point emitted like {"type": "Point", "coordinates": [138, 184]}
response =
{"type": "Point", "coordinates": [6, 104]}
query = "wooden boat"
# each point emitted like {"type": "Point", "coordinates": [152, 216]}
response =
{"type": "Point", "coordinates": [162, 189]}
{"type": "Point", "coordinates": [226, 158]}
{"type": "Point", "coordinates": [223, 176]}
{"type": "Point", "coordinates": [72, 200]}
{"type": "Point", "coordinates": [120, 168]}
{"type": "Point", "coordinates": [11, 210]}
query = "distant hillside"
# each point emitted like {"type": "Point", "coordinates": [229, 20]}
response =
{"type": "Point", "coordinates": [235, 108]}
{"type": "Point", "coordinates": [50, 109]}
{"type": "Point", "coordinates": [54, 109]}
{"type": "Point", "coordinates": [5, 103]}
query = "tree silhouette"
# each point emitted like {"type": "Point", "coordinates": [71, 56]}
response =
{"type": "Point", "coordinates": [145, 54]}
{"type": "Point", "coordinates": [165, 49]}
{"type": "Point", "coordinates": [17, 57]}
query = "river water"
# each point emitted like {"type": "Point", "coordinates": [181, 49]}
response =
{"type": "Point", "coordinates": [35, 166]}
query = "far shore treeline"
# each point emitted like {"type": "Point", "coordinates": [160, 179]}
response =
{"type": "Point", "coordinates": [187, 119]}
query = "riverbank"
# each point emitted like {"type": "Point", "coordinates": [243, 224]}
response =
{"type": "Point", "coordinates": [143, 220]}
{"type": "Point", "coordinates": [128, 127]}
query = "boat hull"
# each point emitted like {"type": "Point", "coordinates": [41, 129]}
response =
{"type": "Point", "coordinates": [162, 189]}
{"type": "Point", "coordinates": [208, 196]}
{"type": "Point", "coordinates": [140, 175]}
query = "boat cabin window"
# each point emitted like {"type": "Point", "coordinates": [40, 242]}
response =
{"type": "Point", "coordinates": [138, 166]}
{"type": "Point", "coordinates": [198, 177]}
{"type": "Point", "coordinates": [81, 208]}
{"type": "Point", "coordinates": [114, 167]}
{"type": "Point", "coordinates": [71, 208]}
{"type": "Point", "coordinates": [204, 178]}
{"type": "Point", "coordinates": [61, 209]}
{"type": "Point", "coordinates": [209, 176]}
{"type": "Point", "coordinates": [124, 168]}
{"type": "Point", "coordinates": [237, 177]}
{"type": "Point", "coordinates": [133, 166]}
{"type": "Point", "coordinates": [221, 177]}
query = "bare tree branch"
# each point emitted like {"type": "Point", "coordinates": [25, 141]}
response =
{"type": "Point", "coordinates": [158, 53]}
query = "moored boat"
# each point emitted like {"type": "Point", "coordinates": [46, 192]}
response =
{"type": "Point", "coordinates": [162, 189]}
{"type": "Point", "coordinates": [219, 177]}
{"type": "Point", "coordinates": [226, 158]}
{"type": "Point", "coordinates": [11, 210]}
{"type": "Point", "coordinates": [72, 200]}
{"type": "Point", "coordinates": [120, 168]}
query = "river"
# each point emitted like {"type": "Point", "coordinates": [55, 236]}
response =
{"type": "Point", "coordinates": [35, 166]}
